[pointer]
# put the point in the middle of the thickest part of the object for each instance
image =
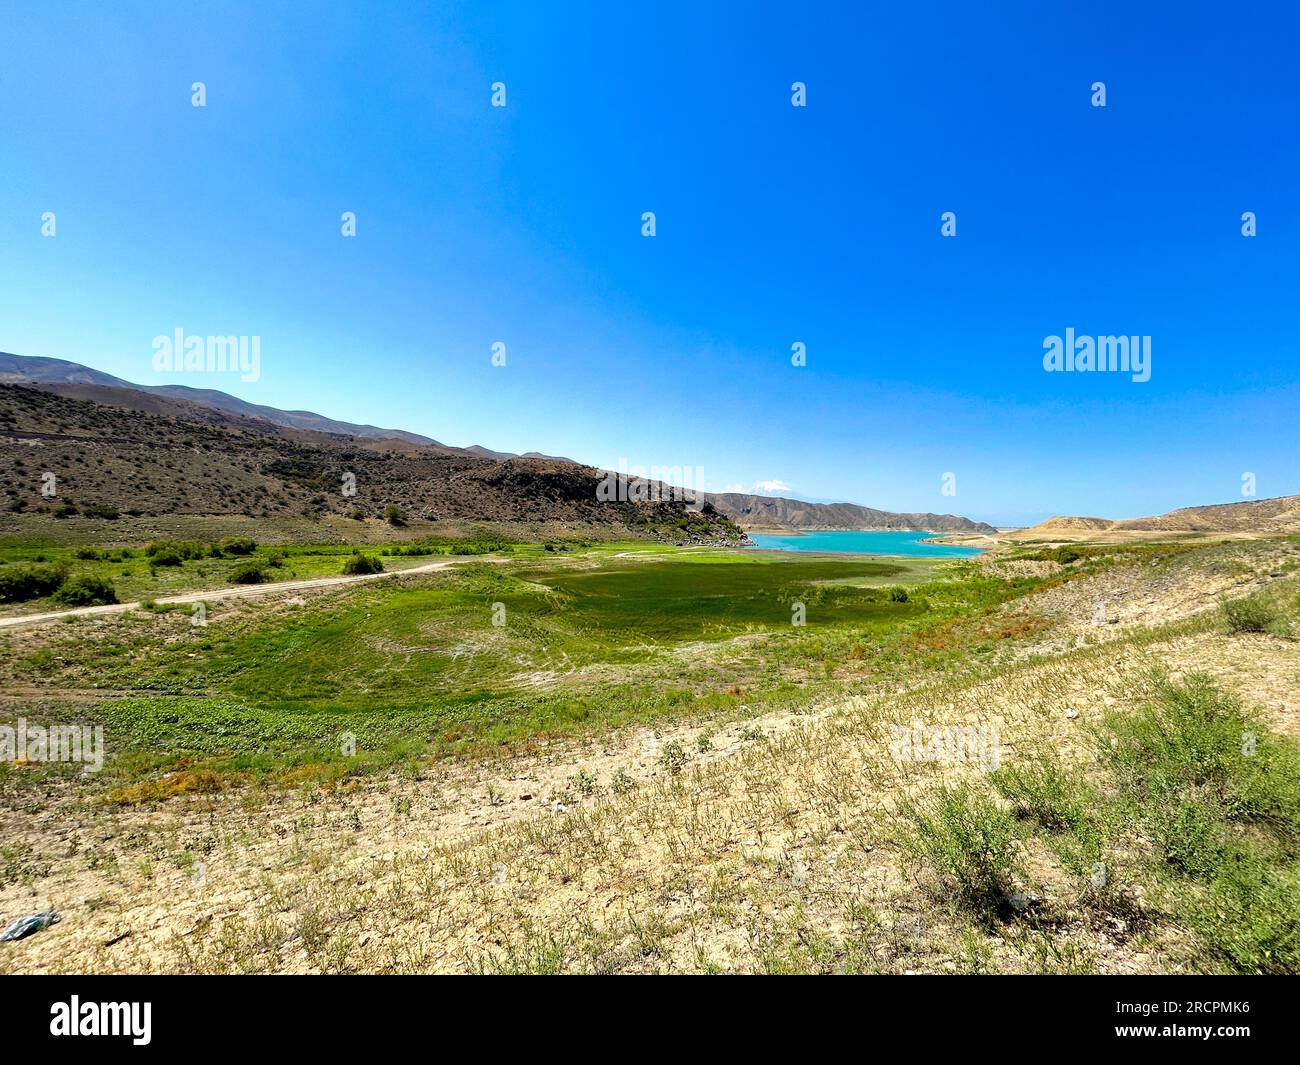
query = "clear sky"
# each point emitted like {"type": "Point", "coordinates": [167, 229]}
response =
{"type": "Point", "coordinates": [774, 225]}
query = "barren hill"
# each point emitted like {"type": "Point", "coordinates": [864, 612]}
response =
{"type": "Point", "coordinates": [1277, 515]}
{"type": "Point", "coordinates": [212, 407]}
{"type": "Point", "coordinates": [83, 382]}
{"type": "Point", "coordinates": [107, 459]}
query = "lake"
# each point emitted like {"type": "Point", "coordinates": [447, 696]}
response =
{"type": "Point", "coordinates": [864, 543]}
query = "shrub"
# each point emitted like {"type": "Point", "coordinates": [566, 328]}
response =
{"type": "Point", "coordinates": [1195, 762]}
{"type": "Point", "coordinates": [165, 556]}
{"type": "Point", "coordinates": [358, 563]}
{"type": "Point", "coordinates": [20, 584]}
{"type": "Point", "coordinates": [85, 591]}
{"type": "Point", "coordinates": [186, 550]}
{"type": "Point", "coordinates": [1066, 555]}
{"type": "Point", "coordinates": [89, 554]}
{"type": "Point", "coordinates": [250, 572]}
{"type": "Point", "coordinates": [969, 840]}
{"type": "Point", "coordinates": [238, 545]}
{"type": "Point", "coordinates": [1251, 918]}
{"type": "Point", "coordinates": [1045, 793]}
{"type": "Point", "coordinates": [394, 516]}
{"type": "Point", "coordinates": [898, 595]}
{"type": "Point", "coordinates": [101, 510]}
{"type": "Point", "coordinates": [1251, 614]}
{"type": "Point", "coordinates": [64, 510]}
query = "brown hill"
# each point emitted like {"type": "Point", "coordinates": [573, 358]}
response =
{"type": "Point", "coordinates": [1254, 516]}
{"type": "Point", "coordinates": [1072, 524]}
{"type": "Point", "coordinates": [72, 378]}
{"type": "Point", "coordinates": [1278, 515]}
{"type": "Point", "coordinates": [107, 458]}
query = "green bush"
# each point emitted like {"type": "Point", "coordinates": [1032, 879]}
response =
{"type": "Point", "coordinates": [89, 554]}
{"type": "Point", "coordinates": [101, 510]}
{"type": "Point", "coordinates": [1066, 555]}
{"type": "Point", "coordinates": [898, 595]}
{"type": "Point", "coordinates": [19, 584]}
{"type": "Point", "coordinates": [358, 563]}
{"type": "Point", "coordinates": [238, 545]}
{"type": "Point", "coordinates": [394, 516]}
{"type": "Point", "coordinates": [969, 840]}
{"type": "Point", "coordinates": [1251, 614]}
{"type": "Point", "coordinates": [1196, 764]}
{"type": "Point", "coordinates": [1251, 918]}
{"type": "Point", "coordinates": [1045, 793]}
{"type": "Point", "coordinates": [85, 591]}
{"type": "Point", "coordinates": [186, 550]}
{"type": "Point", "coordinates": [165, 556]}
{"type": "Point", "coordinates": [250, 572]}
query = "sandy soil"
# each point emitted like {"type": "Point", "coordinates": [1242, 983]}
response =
{"type": "Point", "coordinates": [743, 844]}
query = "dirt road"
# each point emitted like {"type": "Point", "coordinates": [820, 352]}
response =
{"type": "Point", "coordinates": [240, 591]}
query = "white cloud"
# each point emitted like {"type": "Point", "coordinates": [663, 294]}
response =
{"type": "Point", "coordinates": [768, 487]}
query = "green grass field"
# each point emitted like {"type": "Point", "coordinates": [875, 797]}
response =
{"type": "Point", "coordinates": [489, 654]}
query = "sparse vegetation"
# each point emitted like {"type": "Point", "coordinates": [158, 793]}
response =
{"type": "Point", "coordinates": [1249, 614]}
{"type": "Point", "coordinates": [1104, 836]}
{"type": "Point", "coordinates": [970, 841]}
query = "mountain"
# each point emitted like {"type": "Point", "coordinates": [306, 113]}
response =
{"type": "Point", "coordinates": [56, 374]}
{"type": "Point", "coordinates": [209, 406]}
{"type": "Point", "coordinates": [108, 460]}
{"type": "Point", "coordinates": [1278, 515]}
{"type": "Point", "coordinates": [771, 512]}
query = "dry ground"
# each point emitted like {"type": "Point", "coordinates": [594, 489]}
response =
{"type": "Point", "coordinates": [768, 845]}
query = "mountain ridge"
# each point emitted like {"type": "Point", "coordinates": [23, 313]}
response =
{"type": "Point", "coordinates": [79, 382]}
{"type": "Point", "coordinates": [1276, 514]}
{"type": "Point", "coordinates": [751, 511]}
{"type": "Point", "coordinates": [45, 370]}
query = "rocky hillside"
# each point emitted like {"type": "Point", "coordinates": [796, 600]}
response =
{"type": "Point", "coordinates": [770, 512]}
{"type": "Point", "coordinates": [83, 382]}
{"type": "Point", "coordinates": [1278, 515]}
{"type": "Point", "coordinates": [106, 460]}
{"type": "Point", "coordinates": [1281, 514]}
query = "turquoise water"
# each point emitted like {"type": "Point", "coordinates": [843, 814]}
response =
{"type": "Point", "coordinates": [864, 543]}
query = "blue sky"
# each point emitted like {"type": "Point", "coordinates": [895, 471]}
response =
{"type": "Point", "coordinates": [775, 224]}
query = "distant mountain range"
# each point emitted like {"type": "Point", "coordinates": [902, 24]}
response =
{"type": "Point", "coordinates": [77, 382]}
{"type": "Point", "coordinates": [776, 512]}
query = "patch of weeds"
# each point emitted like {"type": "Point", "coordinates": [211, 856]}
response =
{"type": "Point", "coordinates": [1253, 613]}
{"type": "Point", "coordinates": [673, 757]}
{"type": "Point", "coordinates": [1218, 795]}
{"type": "Point", "coordinates": [970, 841]}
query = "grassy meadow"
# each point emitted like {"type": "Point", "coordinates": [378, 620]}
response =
{"type": "Point", "coordinates": [767, 684]}
{"type": "Point", "coordinates": [526, 643]}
